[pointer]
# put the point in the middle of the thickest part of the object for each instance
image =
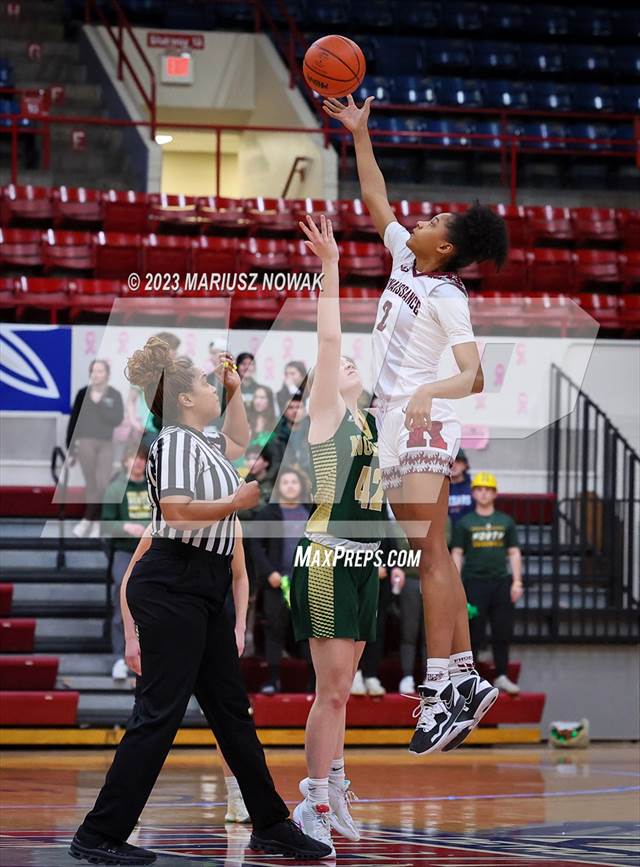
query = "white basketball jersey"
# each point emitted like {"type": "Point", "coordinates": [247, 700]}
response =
{"type": "Point", "coordinates": [418, 316]}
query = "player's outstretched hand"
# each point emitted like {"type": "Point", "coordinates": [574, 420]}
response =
{"type": "Point", "coordinates": [321, 241]}
{"type": "Point", "coordinates": [350, 115]}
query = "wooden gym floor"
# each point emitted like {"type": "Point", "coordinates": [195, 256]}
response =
{"type": "Point", "coordinates": [477, 807]}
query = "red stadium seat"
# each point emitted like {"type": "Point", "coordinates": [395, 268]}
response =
{"type": "Point", "coordinates": [412, 213]}
{"type": "Point", "coordinates": [595, 225]}
{"type": "Point", "coordinates": [261, 306]}
{"type": "Point", "coordinates": [214, 255]}
{"type": "Point", "coordinates": [21, 248]}
{"type": "Point", "coordinates": [117, 254]}
{"type": "Point", "coordinates": [360, 259]}
{"type": "Point", "coordinates": [76, 207]}
{"type": "Point", "coordinates": [218, 213]}
{"type": "Point", "coordinates": [450, 207]}
{"type": "Point", "coordinates": [70, 251]}
{"type": "Point", "coordinates": [596, 268]}
{"type": "Point", "coordinates": [269, 215]}
{"type": "Point", "coordinates": [42, 293]}
{"type": "Point", "coordinates": [629, 223]}
{"type": "Point", "coordinates": [27, 205]}
{"type": "Point", "coordinates": [264, 254]}
{"type": "Point", "coordinates": [512, 277]}
{"type": "Point", "coordinates": [515, 218]}
{"type": "Point", "coordinates": [95, 296]}
{"type": "Point", "coordinates": [630, 313]}
{"type": "Point", "coordinates": [549, 225]}
{"type": "Point", "coordinates": [125, 211]}
{"type": "Point", "coordinates": [39, 708]}
{"type": "Point", "coordinates": [471, 275]}
{"type": "Point", "coordinates": [356, 219]}
{"type": "Point", "coordinates": [28, 672]}
{"type": "Point", "coordinates": [173, 213]}
{"type": "Point", "coordinates": [604, 308]}
{"type": "Point", "coordinates": [8, 293]}
{"type": "Point", "coordinates": [166, 254]}
{"type": "Point", "coordinates": [6, 598]}
{"type": "Point", "coordinates": [550, 270]}
{"type": "Point", "coordinates": [16, 635]}
{"type": "Point", "coordinates": [300, 258]}
{"type": "Point", "coordinates": [358, 305]}
{"type": "Point", "coordinates": [629, 264]}
{"type": "Point", "coordinates": [315, 207]}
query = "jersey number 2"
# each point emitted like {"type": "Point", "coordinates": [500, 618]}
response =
{"type": "Point", "coordinates": [383, 322]}
{"type": "Point", "coordinates": [363, 489]}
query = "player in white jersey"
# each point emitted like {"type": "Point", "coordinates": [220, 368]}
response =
{"type": "Point", "coordinates": [424, 310]}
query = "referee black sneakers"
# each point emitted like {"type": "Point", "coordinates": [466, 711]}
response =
{"type": "Point", "coordinates": [479, 696]}
{"type": "Point", "coordinates": [285, 838]}
{"type": "Point", "coordinates": [104, 851]}
{"type": "Point", "coordinates": [437, 712]}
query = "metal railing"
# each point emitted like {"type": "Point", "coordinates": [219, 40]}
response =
{"type": "Point", "coordinates": [595, 474]}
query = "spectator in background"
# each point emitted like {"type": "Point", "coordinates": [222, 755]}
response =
{"type": "Point", "coordinates": [261, 416]}
{"type": "Point", "coordinates": [273, 561]}
{"type": "Point", "coordinates": [484, 541]}
{"type": "Point", "coordinates": [97, 411]}
{"type": "Point", "coordinates": [246, 365]}
{"type": "Point", "coordinates": [295, 376]}
{"type": "Point", "coordinates": [460, 499]}
{"type": "Point", "coordinates": [259, 467]}
{"type": "Point", "coordinates": [292, 433]}
{"type": "Point", "coordinates": [405, 582]}
{"type": "Point", "coordinates": [127, 521]}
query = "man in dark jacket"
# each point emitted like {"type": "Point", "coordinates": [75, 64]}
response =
{"type": "Point", "coordinates": [273, 551]}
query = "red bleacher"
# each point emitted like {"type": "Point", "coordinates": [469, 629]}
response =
{"type": "Point", "coordinates": [30, 708]}
{"type": "Point", "coordinates": [28, 672]}
{"type": "Point", "coordinates": [74, 247]}
{"type": "Point", "coordinates": [17, 635]}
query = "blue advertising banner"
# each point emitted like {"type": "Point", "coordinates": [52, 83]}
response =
{"type": "Point", "coordinates": [35, 368]}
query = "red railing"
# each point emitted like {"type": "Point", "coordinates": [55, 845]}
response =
{"type": "Point", "coordinates": [512, 145]}
{"type": "Point", "coordinates": [117, 37]}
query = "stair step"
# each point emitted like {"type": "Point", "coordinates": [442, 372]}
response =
{"type": "Point", "coordinates": [61, 576]}
{"type": "Point", "coordinates": [51, 50]}
{"type": "Point", "coordinates": [61, 645]}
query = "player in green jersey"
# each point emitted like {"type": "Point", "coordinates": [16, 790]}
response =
{"type": "Point", "coordinates": [334, 586]}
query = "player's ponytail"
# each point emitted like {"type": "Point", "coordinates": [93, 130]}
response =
{"type": "Point", "coordinates": [161, 377]}
{"type": "Point", "coordinates": [477, 235]}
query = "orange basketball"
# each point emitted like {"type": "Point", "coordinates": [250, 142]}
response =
{"type": "Point", "coordinates": [334, 66]}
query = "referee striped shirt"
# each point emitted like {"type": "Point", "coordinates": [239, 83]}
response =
{"type": "Point", "coordinates": [183, 461]}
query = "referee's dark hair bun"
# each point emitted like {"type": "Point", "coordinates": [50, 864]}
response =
{"type": "Point", "coordinates": [161, 376]}
{"type": "Point", "coordinates": [478, 235]}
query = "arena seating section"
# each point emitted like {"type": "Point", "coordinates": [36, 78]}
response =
{"type": "Point", "coordinates": [66, 253]}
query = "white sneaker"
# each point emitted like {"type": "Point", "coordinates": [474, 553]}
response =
{"type": "Point", "coordinates": [120, 670]}
{"type": "Point", "coordinates": [374, 687]}
{"type": "Point", "coordinates": [94, 532]}
{"type": "Point", "coordinates": [358, 687]}
{"type": "Point", "coordinates": [505, 685]}
{"type": "Point", "coordinates": [340, 817]}
{"type": "Point", "coordinates": [313, 820]}
{"type": "Point", "coordinates": [236, 809]}
{"type": "Point", "coordinates": [81, 529]}
{"type": "Point", "coordinates": [407, 685]}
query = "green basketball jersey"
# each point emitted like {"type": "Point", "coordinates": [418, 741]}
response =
{"type": "Point", "coordinates": [347, 482]}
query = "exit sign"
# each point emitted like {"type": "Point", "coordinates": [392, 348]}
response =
{"type": "Point", "coordinates": [176, 68]}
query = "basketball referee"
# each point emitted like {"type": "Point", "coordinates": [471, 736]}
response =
{"type": "Point", "coordinates": [175, 596]}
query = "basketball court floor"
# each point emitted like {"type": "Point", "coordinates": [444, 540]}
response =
{"type": "Point", "coordinates": [498, 807]}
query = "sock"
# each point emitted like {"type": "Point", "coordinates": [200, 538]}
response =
{"type": "Point", "coordinates": [437, 673]}
{"type": "Point", "coordinates": [336, 777]}
{"type": "Point", "coordinates": [318, 790]}
{"type": "Point", "coordinates": [460, 666]}
{"type": "Point", "coordinates": [232, 786]}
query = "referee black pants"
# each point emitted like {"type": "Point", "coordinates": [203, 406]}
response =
{"type": "Point", "coordinates": [176, 594]}
{"type": "Point", "coordinates": [492, 598]}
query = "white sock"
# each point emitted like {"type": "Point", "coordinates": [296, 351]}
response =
{"type": "Point", "coordinates": [437, 673]}
{"type": "Point", "coordinates": [460, 666]}
{"type": "Point", "coordinates": [318, 790]}
{"type": "Point", "coordinates": [232, 786]}
{"type": "Point", "coordinates": [336, 777]}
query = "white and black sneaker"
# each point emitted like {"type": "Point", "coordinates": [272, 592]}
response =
{"type": "Point", "coordinates": [479, 696]}
{"type": "Point", "coordinates": [437, 712]}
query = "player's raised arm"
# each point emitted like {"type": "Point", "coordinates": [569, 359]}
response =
{"type": "Point", "coordinates": [325, 398]}
{"type": "Point", "coordinates": [374, 189]}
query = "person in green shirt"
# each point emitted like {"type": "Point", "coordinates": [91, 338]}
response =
{"type": "Point", "coordinates": [485, 549]}
{"type": "Point", "coordinates": [124, 523]}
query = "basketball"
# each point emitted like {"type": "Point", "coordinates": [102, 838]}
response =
{"type": "Point", "coordinates": [334, 66]}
